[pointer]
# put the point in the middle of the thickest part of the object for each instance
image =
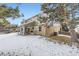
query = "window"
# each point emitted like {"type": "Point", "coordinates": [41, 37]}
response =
{"type": "Point", "coordinates": [40, 28]}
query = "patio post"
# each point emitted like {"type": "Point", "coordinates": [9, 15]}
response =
{"type": "Point", "coordinates": [23, 30]}
{"type": "Point", "coordinates": [20, 30]}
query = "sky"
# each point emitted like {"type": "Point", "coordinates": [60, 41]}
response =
{"type": "Point", "coordinates": [28, 9]}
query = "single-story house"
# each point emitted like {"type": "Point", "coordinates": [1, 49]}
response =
{"type": "Point", "coordinates": [33, 26]}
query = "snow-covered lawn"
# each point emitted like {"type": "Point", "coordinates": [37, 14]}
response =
{"type": "Point", "coordinates": [31, 45]}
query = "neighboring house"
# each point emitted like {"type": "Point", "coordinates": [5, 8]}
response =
{"type": "Point", "coordinates": [33, 26]}
{"type": "Point", "coordinates": [1, 28]}
{"type": "Point", "coordinates": [4, 25]}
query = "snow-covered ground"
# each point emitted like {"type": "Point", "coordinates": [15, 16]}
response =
{"type": "Point", "coordinates": [30, 45]}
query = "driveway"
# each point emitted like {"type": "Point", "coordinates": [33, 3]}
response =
{"type": "Point", "coordinates": [31, 45]}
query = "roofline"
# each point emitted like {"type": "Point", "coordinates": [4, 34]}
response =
{"type": "Point", "coordinates": [34, 15]}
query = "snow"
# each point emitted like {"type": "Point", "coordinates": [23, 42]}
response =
{"type": "Point", "coordinates": [33, 45]}
{"type": "Point", "coordinates": [64, 35]}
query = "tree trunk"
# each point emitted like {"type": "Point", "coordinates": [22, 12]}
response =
{"type": "Point", "coordinates": [73, 35]}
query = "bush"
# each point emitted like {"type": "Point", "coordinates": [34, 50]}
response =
{"type": "Point", "coordinates": [65, 33]}
{"type": "Point", "coordinates": [61, 39]}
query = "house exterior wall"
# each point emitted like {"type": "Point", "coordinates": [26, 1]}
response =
{"type": "Point", "coordinates": [36, 30]}
{"type": "Point", "coordinates": [43, 31]}
{"type": "Point", "coordinates": [51, 30]}
{"type": "Point", "coordinates": [1, 28]}
{"type": "Point", "coordinates": [47, 31]}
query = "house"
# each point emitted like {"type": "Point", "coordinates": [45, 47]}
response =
{"type": "Point", "coordinates": [4, 25]}
{"type": "Point", "coordinates": [33, 26]}
{"type": "Point", "coordinates": [1, 28]}
{"type": "Point", "coordinates": [1, 25]}
{"type": "Point", "coordinates": [28, 26]}
{"type": "Point", "coordinates": [53, 28]}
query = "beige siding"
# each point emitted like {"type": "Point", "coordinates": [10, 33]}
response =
{"type": "Point", "coordinates": [43, 31]}
{"type": "Point", "coordinates": [36, 30]}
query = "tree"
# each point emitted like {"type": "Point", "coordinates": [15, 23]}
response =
{"type": "Point", "coordinates": [4, 22]}
{"type": "Point", "coordinates": [55, 12]}
{"type": "Point", "coordinates": [62, 12]}
{"type": "Point", "coordinates": [7, 12]}
{"type": "Point", "coordinates": [42, 19]}
{"type": "Point", "coordinates": [73, 11]}
{"type": "Point", "coordinates": [49, 9]}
